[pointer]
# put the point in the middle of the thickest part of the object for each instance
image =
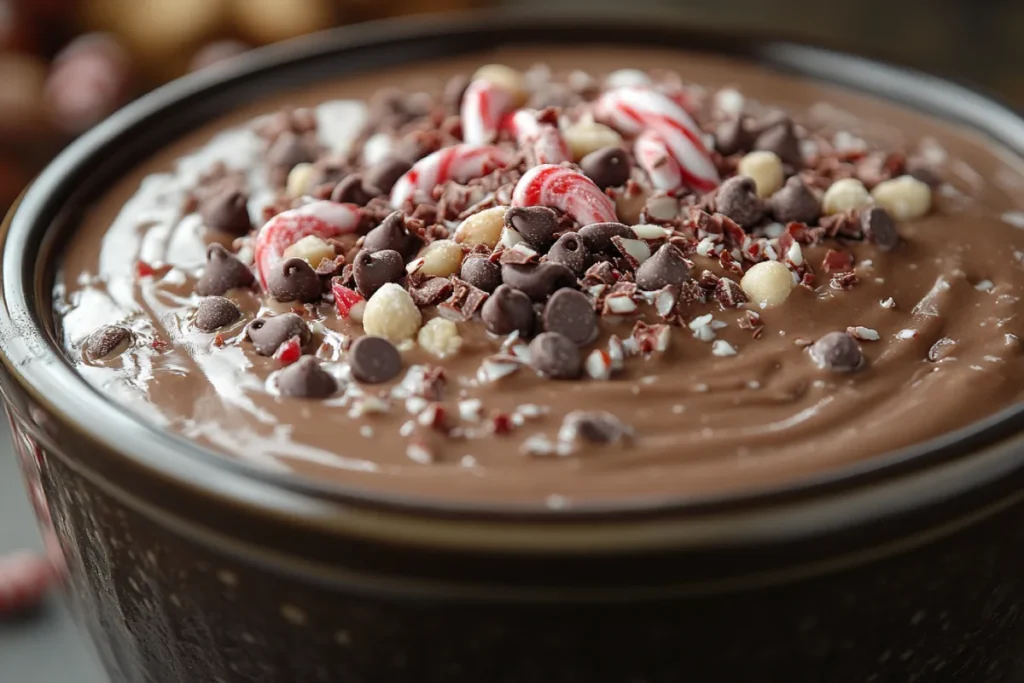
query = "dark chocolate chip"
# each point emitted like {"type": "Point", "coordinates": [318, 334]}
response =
{"type": "Point", "coordinates": [552, 94]}
{"type": "Point", "coordinates": [570, 252]}
{"type": "Point", "coordinates": [374, 360]}
{"type": "Point", "coordinates": [665, 267]}
{"type": "Point", "coordinates": [537, 280]}
{"type": "Point", "coordinates": [556, 356]}
{"type": "Point", "coordinates": [227, 212]}
{"type": "Point", "coordinates": [266, 334]}
{"type": "Point", "coordinates": [480, 272]}
{"type": "Point", "coordinates": [879, 227]}
{"type": "Point", "coordinates": [384, 174]}
{"type": "Point", "coordinates": [108, 341]}
{"type": "Point", "coordinates": [454, 89]}
{"type": "Point", "coordinates": [572, 314]}
{"type": "Point", "coordinates": [596, 426]}
{"type": "Point", "coordinates": [215, 312]}
{"type": "Point", "coordinates": [393, 234]}
{"type": "Point", "coordinates": [288, 151]}
{"type": "Point", "coordinates": [373, 270]}
{"type": "Point", "coordinates": [781, 138]}
{"type": "Point", "coordinates": [837, 352]}
{"type": "Point", "coordinates": [354, 190]}
{"type": "Point", "coordinates": [294, 280]}
{"type": "Point", "coordinates": [607, 167]}
{"type": "Point", "coordinates": [737, 198]}
{"type": "Point", "coordinates": [597, 237]}
{"type": "Point", "coordinates": [924, 172]}
{"type": "Point", "coordinates": [537, 224]}
{"type": "Point", "coordinates": [306, 379]}
{"type": "Point", "coordinates": [223, 271]}
{"type": "Point", "coordinates": [508, 310]}
{"type": "Point", "coordinates": [733, 136]}
{"type": "Point", "coordinates": [795, 203]}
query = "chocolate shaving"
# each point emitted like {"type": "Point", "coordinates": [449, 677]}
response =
{"type": "Point", "coordinates": [837, 261]}
{"type": "Point", "coordinates": [844, 281]}
{"type": "Point", "coordinates": [601, 273]}
{"type": "Point", "coordinates": [518, 257]}
{"type": "Point", "coordinates": [464, 302]}
{"type": "Point", "coordinates": [430, 291]}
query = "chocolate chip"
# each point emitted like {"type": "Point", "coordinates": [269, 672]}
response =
{"type": "Point", "coordinates": [508, 310]}
{"type": "Point", "coordinates": [571, 313]}
{"type": "Point", "coordinates": [393, 234]}
{"type": "Point", "coordinates": [454, 89]}
{"type": "Point", "coordinates": [373, 270]}
{"type": "Point", "coordinates": [537, 224]}
{"type": "Point", "coordinates": [780, 137]}
{"type": "Point", "coordinates": [569, 251]}
{"type": "Point", "coordinates": [384, 174]}
{"type": "Point", "coordinates": [607, 167]}
{"type": "Point", "coordinates": [595, 426]}
{"type": "Point", "coordinates": [354, 190]}
{"type": "Point", "coordinates": [306, 379]}
{"type": "Point", "coordinates": [556, 356]}
{"type": "Point", "coordinates": [795, 203]}
{"type": "Point", "coordinates": [226, 212]}
{"type": "Point", "coordinates": [480, 272]}
{"type": "Point", "coordinates": [666, 267]}
{"type": "Point", "coordinates": [837, 352]}
{"type": "Point", "coordinates": [374, 360]}
{"type": "Point", "coordinates": [108, 341]}
{"type": "Point", "coordinates": [288, 151]}
{"type": "Point", "coordinates": [737, 198]}
{"type": "Point", "coordinates": [879, 227]}
{"type": "Point", "coordinates": [266, 334]}
{"type": "Point", "coordinates": [923, 171]}
{"type": "Point", "coordinates": [223, 271]}
{"type": "Point", "coordinates": [597, 237]}
{"type": "Point", "coordinates": [215, 312]}
{"type": "Point", "coordinates": [733, 136]}
{"type": "Point", "coordinates": [537, 280]}
{"type": "Point", "coordinates": [294, 280]}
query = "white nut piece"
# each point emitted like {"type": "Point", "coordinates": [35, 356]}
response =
{"type": "Point", "coordinates": [441, 259]}
{"type": "Point", "coordinates": [310, 249]}
{"type": "Point", "coordinates": [765, 169]}
{"type": "Point", "coordinates": [299, 180]}
{"type": "Point", "coordinates": [392, 314]}
{"type": "Point", "coordinates": [507, 78]}
{"type": "Point", "coordinates": [483, 227]}
{"type": "Point", "coordinates": [768, 283]}
{"type": "Point", "coordinates": [845, 194]}
{"type": "Point", "coordinates": [905, 197]}
{"type": "Point", "coordinates": [440, 338]}
{"type": "Point", "coordinates": [586, 136]}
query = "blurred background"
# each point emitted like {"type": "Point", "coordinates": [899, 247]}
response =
{"type": "Point", "coordinates": [65, 64]}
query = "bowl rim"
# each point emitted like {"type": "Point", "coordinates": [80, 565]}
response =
{"type": "Point", "coordinates": [34, 359]}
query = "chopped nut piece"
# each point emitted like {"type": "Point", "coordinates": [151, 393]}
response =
{"type": "Point", "coordinates": [847, 194]}
{"type": "Point", "coordinates": [906, 197]}
{"type": "Point", "coordinates": [765, 169]}
{"type": "Point", "coordinates": [441, 259]}
{"type": "Point", "coordinates": [504, 77]}
{"type": "Point", "coordinates": [768, 283]}
{"type": "Point", "coordinates": [310, 249]}
{"type": "Point", "coordinates": [483, 227]}
{"type": "Point", "coordinates": [440, 337]}
{"type": "Point", "coordinates": [586, 136]}
{"type": "Point", "coordinates": [391, 313]}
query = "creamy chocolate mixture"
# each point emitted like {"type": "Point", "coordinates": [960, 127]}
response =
{"type": "Point", "coordinates": [560, 283]}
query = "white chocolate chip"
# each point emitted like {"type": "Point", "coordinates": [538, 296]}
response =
{"type": "Point", "coordinates": [765, 169]}
{"type": "Point", "coordinates": [483, 227]}
{"type": "Point", "coordinates": [586, 136]}
{"type": "Point", "coordinates": [441, 259]}
{"type": "Point", "coordinates": [906, 197]}
{"type": "Point", "coordinates": [298, 180]}
{"type": "Point", "coordinates": [504, 77]}
{"type": "Point", "coordinates": [392, 314]}
{"type": "Point", "coordinates": [440, 337]}
{"type": "Point", "coordinates": [768, 283]}
{"type": "Point", "coordinates": [310, 249]}
{"type": "Point", "coordinates": [845, 194]}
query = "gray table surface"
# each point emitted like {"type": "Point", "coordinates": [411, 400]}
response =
{"type": "Point", "coordinates": [43, 646]}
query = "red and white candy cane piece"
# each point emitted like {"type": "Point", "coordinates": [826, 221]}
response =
{"type": "Point", "coordinates": [324, 219]}
{"type": "Point", "coordinates": [458, 162]}
{"type": "Point", "coordinates": [562, 188]}
{"type": "Point", "coordinates": [632, 110]}
{"type": "Point", "coordinates": [24, 579]}
{"type": "Point", "coordinates": [541, 139]}
{"type": "Point", "coordinates": [653, 155]}
{"type": "Point", "coordinates": [483, 106]}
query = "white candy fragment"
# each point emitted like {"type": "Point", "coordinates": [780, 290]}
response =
{"type": "Point", "coordinates": [765, 169]}
{"type": "Point", "coordinates": [768, 283]}
{"type": "Point", "coordinates": [391, 313]}
{"type": "Point", "coordinates": [720, 347]}
{"type": "Point", "coordinates": [599, 365]}
{"type": "Point", "coordinates": [844, 195]}
{"type": "Point", "coordinates": [471, 410]}
{"type": "Point", "coordinates": [863, 333]}
{"type": "Point", "coordinates": [906, 197]}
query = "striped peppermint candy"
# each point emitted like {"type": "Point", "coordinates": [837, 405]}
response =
{"type": "Point", "coordinates": [562, 188]}
{"type": "Point", "coordinates": [633, 109]}
{"type": "Point", "coordinates": [324, 219]}
{"type": "Point", "coordinates": [24, 579]}
{"type": "Point", "coordinates": [654, 157]}
{"type": "Point", "coordinates": [483, 106]}
{"type": "Point", "coordinates": [458, 162]}
{"type": "Point", "coordinates": [540, 139]}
